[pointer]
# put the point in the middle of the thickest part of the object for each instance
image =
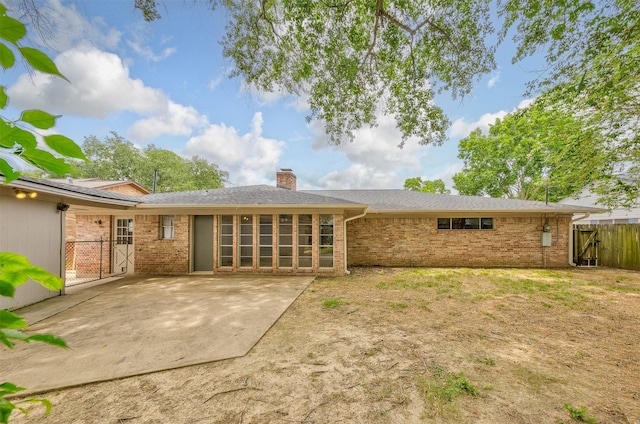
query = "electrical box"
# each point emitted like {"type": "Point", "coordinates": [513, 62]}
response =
{"type": "Point", "coordinates": [546, 239]}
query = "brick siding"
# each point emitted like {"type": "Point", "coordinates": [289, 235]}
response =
{"type": "Point", "coordinates": [154, 255]}
{"type": "Point", "coordinates": [84, 256]}
{"type": "Point", "coordinates": [515, 242]}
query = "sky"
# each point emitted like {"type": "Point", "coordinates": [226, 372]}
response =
{"type": "Point", "coordinates": [166, 83]}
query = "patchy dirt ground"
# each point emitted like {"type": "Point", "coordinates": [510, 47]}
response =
{"type": "Point", "coordinates": [409, 346]}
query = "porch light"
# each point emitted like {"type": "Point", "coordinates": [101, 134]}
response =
{"type": "Point", "coordinates": [21, 194]}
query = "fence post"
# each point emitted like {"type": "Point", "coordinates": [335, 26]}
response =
{"type": "Point", "coordinates": [100, 261]}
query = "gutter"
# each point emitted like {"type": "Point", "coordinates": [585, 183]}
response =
{"type": "Point", "coordinates": [345, 236]}
{"type": "Point", "coordinates": [586, 215]}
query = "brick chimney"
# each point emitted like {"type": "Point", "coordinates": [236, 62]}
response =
{"type": "Point", "coordinates": [285, 178]}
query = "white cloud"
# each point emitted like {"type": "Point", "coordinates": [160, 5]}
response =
{"type": "Point", "coordinates": [139, 45]}
{"type": "Point", "coordinates": [250, 158]}
{"type": "Point", "coordinates": [68, 28]}
{"type": "Point", "coordinates": [375, 159]}
{"type": "Point", "coordinates": [100, 86]}
{"type": "Point", "coordinates": [174, 120]}
{"type": "Point", "coordinates": [461, 128]}
{"type": "Point", "coordinates": [495, 77]}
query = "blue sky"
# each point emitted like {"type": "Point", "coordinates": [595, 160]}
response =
{"type": "Point", "coordinates": [165, 83]}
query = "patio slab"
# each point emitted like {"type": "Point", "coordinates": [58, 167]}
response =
{"type": "Point", "coordinates": [138, 325]}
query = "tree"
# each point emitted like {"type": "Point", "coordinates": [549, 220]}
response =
{"type": "Point", "coordinates": [426, 186]}
{"type": "Point", "coordinates": [18, 139]}
{"type": "Point", "coordinates": [529, 152]}
{"type": "Point", "coordinates": [116, 158]}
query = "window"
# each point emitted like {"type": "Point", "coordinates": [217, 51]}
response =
{"type": "Point", "coordinates": [305, 241]}
{"type": "Point", "coordinates": [465, 224]}
{"type": "Point", "coordinates": [225, 242]}
{"type": "Point", "coordinates": [166, 227]}
{"type": "Point", "coordinates": [265, 247]}
{"type": "Point", "coordinates": [124, 231]}
{"type": "Point", "coordinates": [326, 241]}
{"type": "Point", "coordinates": [285, 241]}
{"type": "Point", "coordinates": [246, 241]}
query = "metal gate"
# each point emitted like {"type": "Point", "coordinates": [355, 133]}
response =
{"type": "Point", "coordinates": [91, 260]}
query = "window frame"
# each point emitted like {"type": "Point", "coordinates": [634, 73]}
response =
{"type": "Point", "coordinates": [164, 227]}
{"type": "Point", "coordinates": [467, 223]}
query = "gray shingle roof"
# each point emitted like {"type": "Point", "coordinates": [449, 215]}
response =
{"type": "Point", "coordinates": [406, 201]}
{"type": "Point", "coordinates": [247, 195]}
{"type": "Point", "coordinates": [78, 190]}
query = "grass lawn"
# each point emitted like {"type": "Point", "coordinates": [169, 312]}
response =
{"type": "Point", "coordinates": [410, 345]}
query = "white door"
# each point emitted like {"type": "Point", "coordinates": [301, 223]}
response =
{"type": "Point", "coordinates": [123, 247]}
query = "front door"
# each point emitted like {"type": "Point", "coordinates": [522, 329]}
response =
{"type": "Point", "coordinates": [123, 247]}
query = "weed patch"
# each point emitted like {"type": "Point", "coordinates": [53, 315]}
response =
{"type": "Point", "coordinates": [334, 303]}
{"type": "Point", "coordinates": [579, 414]}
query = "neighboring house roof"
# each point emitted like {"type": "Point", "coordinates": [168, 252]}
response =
{"type": "Point", "coordinates": [406, 200]}
{"type": "Point", "coordinates": [262, 195]}
{"type": "Point", "coordinates": [99, 183]}
{"type": "Point", "coordinates": [587, 198]}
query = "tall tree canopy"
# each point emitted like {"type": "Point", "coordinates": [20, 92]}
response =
{"type": "Point", "coordinates": [426, 186]}
{"type": "Point", "coordinates": [115, 158]}
{"type": "Point", "coordinates": [529, 151]}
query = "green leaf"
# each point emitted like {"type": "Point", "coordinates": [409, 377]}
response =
{"type": "Point", "coordinates": [6, 289]}
{"type": "Point", "coordinates": [11, 320]}
{"type": "Point", "coordinates": [65, 146]}
{"type": "Point", "coordinates": [8, 388]}
{"type": "Point", "coordinates": [5, 340]}
{"type": "Point", "coordinates": [43, 402]}
{"type": "Point", "coordinates": [11, 29]}
{"type": "Point", "coordinates": [3, 9]}
{"type": "Point", "coordinates": [7, 171]}
{"type": "Point", "coordinates": [4, 99]}
{"type": "Point", "coordinates": [14, 278]}
{"type": "Point", "coordinates": [40, 61]}
{"type": "Point", "coordinates": [49, 339]}
{"type": "Point", "coordinates": [46, 161]}
{"type": "Point", "coordinates": [13, 261]}
{"type": "Point", "coordinates": [7, 58]}
{"type": "Point", "coordinates": [38, 118]}
{"type": "Point", "coordinates": [10, 135]}
{"type": "Point", "coordinates": [45, 278]}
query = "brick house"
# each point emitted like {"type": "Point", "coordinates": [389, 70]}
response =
{"type": "Point", "coordinates": [265, 229]}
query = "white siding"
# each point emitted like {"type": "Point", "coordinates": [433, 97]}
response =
{"type": "Point", "coordinates": [32, 228]}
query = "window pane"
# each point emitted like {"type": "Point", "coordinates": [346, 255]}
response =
{"type": "Point", "coordinates": [305, 262]}
{"type": "Point", "coordinates": [266, 240]}
{"type": "Point", "coordinates": [286, 251]}
{"type": "Point", "coordinates": [487, 223]}
{"type": "Point", "coordinates": [226, 261]}
{"type": "Point", "coordinates": [226, 251]}
{"type": "Point", "coordinates": [444, 224]}
{"type": "Point", "coordinates": [326, 240]}
{"type": "Point", "coordinates": [265, 251]}
{"type": "Point", "coordinates": [472, 223]}
{"type": "Point", "coordinates": [226, 240]}
{"type": "Point", "coordinates": [304, 251]}
{"type": "Point", "coordinates": [457, 223]}
{"type": "Point", "coordinates": [226, 219]}
{"type": "Point", "coordinates": [285, 240]}
{"type": "Point", "coordinates": [246, 239]}
{"type": "Point", "coordinates": [285, 262]}
{"type": "Point", "coordinates": [265, 262]}
{"type": "Point", "coordinates": [326, 261]}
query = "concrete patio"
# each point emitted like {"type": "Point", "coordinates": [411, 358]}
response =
{"type": "Point", "coordinates": [138, 325]}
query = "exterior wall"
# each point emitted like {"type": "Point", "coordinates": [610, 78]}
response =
{"type": "Point", "coordinates": [32, 228]}
{"type": "Point", "coordinates": [84, 254]}
{"type": "Point", "coordinates": [154, 255]}
{"type": "Point", "coordinates": [125, 189]}
{"type": "Point", "coordinates": [515, 242]}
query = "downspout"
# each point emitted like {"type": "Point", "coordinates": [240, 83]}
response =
{"type": "Point", "coordinates": [586, 215]}
{"type": "Point", "coordinates": [345, 237]}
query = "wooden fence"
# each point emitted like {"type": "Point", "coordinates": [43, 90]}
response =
{"type": "Point", "coordinates": [610, 245]}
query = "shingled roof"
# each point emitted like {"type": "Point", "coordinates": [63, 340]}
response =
{"type": "Point", "coordinates": [246, 195]}
{"type": "Point", "coordinates": [407, 201]}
